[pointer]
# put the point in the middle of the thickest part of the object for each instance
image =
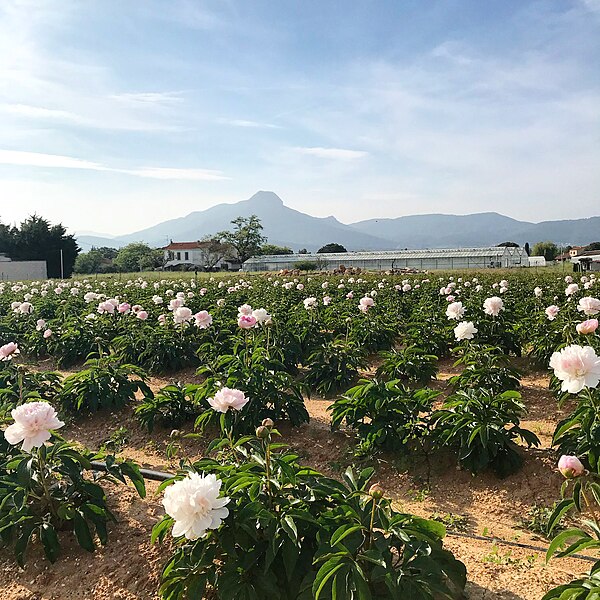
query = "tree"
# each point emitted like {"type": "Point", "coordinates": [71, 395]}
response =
{"type": "Point", "coordinates": [527, 249]}
{"type": "Point", "coordinates": [37, 239]}
{"type": "Point", "coordinates": [88, 262]}
{"type": "Point", "coordinates": [303, 251]}
{"type": "Point", "coordinates": [508, 245]}
{"type": "Point", "coordinates": [138, 257]}
{"type": "Point", "coordinates": [547, 249]}
{"type": "Point", "coordinates": [213, 251]}
{"type": "Point", "coordinates": [106, 252]}
{"type": "Point", "coordinates": [331, 248]}
{"type": "Point", "coordinates": [273, 249]}
{"type": "Point", "coordinates": [246, 237]}
{"type": "Point", "coordinates": [592, 246]}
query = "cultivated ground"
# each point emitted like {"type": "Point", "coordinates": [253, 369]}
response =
{"type": "Point", "coordinates": [484, 506]}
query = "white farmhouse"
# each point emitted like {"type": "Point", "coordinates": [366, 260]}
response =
{"type": "Point", "coordinates": [201, 255]}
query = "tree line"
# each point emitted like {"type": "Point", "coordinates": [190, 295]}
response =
{"type": "Point", "coordinates": [37, 239]}
{"type": "Point", "coordinates": [244, 240]}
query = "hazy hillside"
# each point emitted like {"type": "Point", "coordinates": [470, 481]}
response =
{"type": "Point", "coordinates": [288, 227]}
{"type": "Point", "coordinates": [282, 225]}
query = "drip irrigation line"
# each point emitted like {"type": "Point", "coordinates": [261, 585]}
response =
{"type": "Point", "coordinates": [146, 473]}
{"type": "Point", "coordinates": [495, 540]}
{"type": "Point", "coordinates": [163, 476]}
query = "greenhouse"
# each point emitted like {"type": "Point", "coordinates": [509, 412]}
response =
{"type": "Point", "coordinates": [390, 260]}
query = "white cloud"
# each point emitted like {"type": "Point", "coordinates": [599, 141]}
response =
{"type": "Point", "coordinates": [332, 153]}
{"type": "Point", "coordinates": [182, 174]}
{"type": "Point", "coordinates": [250, 124]}
{"type": "Point", "coordinates": [55, 161]}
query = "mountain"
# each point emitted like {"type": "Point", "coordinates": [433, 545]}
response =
{"type": "Point", "coordinates": [282, 225]}
{"type": "Point", "coordinates": [444, 231]}
{"type": "Point", "coordinates": [288, 227]}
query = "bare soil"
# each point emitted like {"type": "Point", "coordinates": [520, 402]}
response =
{"type": "Point", "coordinates": [128, 568]}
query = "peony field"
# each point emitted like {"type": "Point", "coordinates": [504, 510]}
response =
{"type": "Point", "coordinates": [427, 436]}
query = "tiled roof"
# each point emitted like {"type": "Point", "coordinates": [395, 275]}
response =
{"type": "Point", "coordinates": [185, 245]}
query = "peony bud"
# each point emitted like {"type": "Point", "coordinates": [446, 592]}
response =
{"type": "Point", "coordinates": [262, 432]}
{"type": "Point", "coordinates": [268, 423]}
{"type": "Point", "coordinates": [376, 491]}
{"type": "Point", "coordinates": [570, 467]}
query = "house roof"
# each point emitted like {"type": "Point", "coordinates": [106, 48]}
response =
{"type": "Point", "coordinates": [185, 245]}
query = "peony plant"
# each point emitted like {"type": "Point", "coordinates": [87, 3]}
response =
{"type": "Point", "coordinates": [48, 486]}
{"type": "Point", "coordinates": [259, 525]}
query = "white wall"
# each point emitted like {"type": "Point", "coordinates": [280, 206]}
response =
{"type": "Point", "coordinates": [23, 270]}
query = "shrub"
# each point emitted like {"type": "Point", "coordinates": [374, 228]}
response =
{"type": "Point", "coordinates": [483, 426]}
{"type": "Point", "coordinates": [486, 367]}
{"type": "Point", "coordinates": [411, 364]}
{"type": "Point", "coordinates": [103, 383]}
{"type": "Point", "coordinates": [578, 434]}
{"type": "Point", "coordinates": [386, 415]}
{"type": "Point", "coordinates": [49, 491]}
{"type": "Point", "coordinates": [171, 406]}
{"type": "Point", "coordinates": [333, 365]}
{"type": "Point", "coordinates": [272, 392]}
{"type": "Point", "coordinates": [292, 533]}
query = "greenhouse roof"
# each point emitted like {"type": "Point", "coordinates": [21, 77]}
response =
{"type": "Point", "coordinates": [391, 254]}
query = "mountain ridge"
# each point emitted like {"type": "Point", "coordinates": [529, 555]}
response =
{"type": "Point", "coordinates": [286, 226]}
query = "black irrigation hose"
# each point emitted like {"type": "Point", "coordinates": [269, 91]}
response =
{"type": "Point", "coordinates": [146, 473]}
{"type": "Point", "coordinates": [162, 476]}
{"type": "Point", "coordinates": [496, 540]}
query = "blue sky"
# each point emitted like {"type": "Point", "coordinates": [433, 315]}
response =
{"type": "Point", "coordinates": [117, 115]}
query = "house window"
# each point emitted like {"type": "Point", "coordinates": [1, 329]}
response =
{"type": "Point", "coordinates": [179, 256]}
{"type": "Point", "coordinates": [187, 256]}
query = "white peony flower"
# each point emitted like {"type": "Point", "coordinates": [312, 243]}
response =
{"type": "Point", "coordinates": [577, 367]}
{"type": "Point", "coordinates": [492, 306]}
{"type": "Point", "coordinates": [465, 330]}
{"type": "Point", "coordinates": [33, 422]}
{"type": "Point", "coordinates": [589, 306]}
{"type": "Point", "coordinates": [227, 398]}
{"type": "Point", "coordinates": [195, 505]}
{"type": "Point", "coordinates": [455, 311]}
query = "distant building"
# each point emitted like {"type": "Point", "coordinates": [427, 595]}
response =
{"type": "Point", "coordinates": [537, 261]}
{"type": "Point", "coordinates": [201, 255]}
{"type": "Point", "coordinates": [19, 270]}
{"type": "Point", "coordinates": [455, 258]}
{"type": "Point", "coordinates": [588, 260]}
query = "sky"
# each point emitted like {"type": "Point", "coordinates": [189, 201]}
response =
{"type": "Point", "coordinates": [116, 115]}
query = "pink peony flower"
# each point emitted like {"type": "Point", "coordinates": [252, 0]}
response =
{"type": "Point", "coordinates": [41, 324]}
{"type": "Point", "coordinates": [577, 367]}
{"type": "Point", "coordinates": [365, 303]}
{"type": "Point", "coordinates": [33, 422]}
{"type": "Point", "coordinates": [245, 309]}
{"type": "Point", "coordinates": [47, 333]}
{"type": "Point", "coordinates": [124, 308]}
{"type": "Point", "coordinates": [203, 319]}
{"type": "Point", "coordinates": [182, 314]}
{"type": "Point", "coordinates": [552, 312]}
{"type": "Point", "coordinates": [587, 327]}
{"type": "Point", "coordinates": [9, 351]}
{"type": "Point", "coordinates": [142, 315]}
{"type": "Point", "coordinates": [227, 398]}
{"type": "Point", "coordinates": [492, 306]}
{"type": "Point", "coordinates": [246, 321]}
{"type": "Point", "coordinates": [570, 467]}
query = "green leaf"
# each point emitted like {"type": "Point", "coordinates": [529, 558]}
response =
{"type": "Point", "coordinates": [82, 532]}
{"type": "Point", "coordinates": [343, 532]}
{"type": "Point", "coordinates": [50, 541]}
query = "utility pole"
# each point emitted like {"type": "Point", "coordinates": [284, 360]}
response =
{"type": "Point", "coordinates": [62, 265]}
